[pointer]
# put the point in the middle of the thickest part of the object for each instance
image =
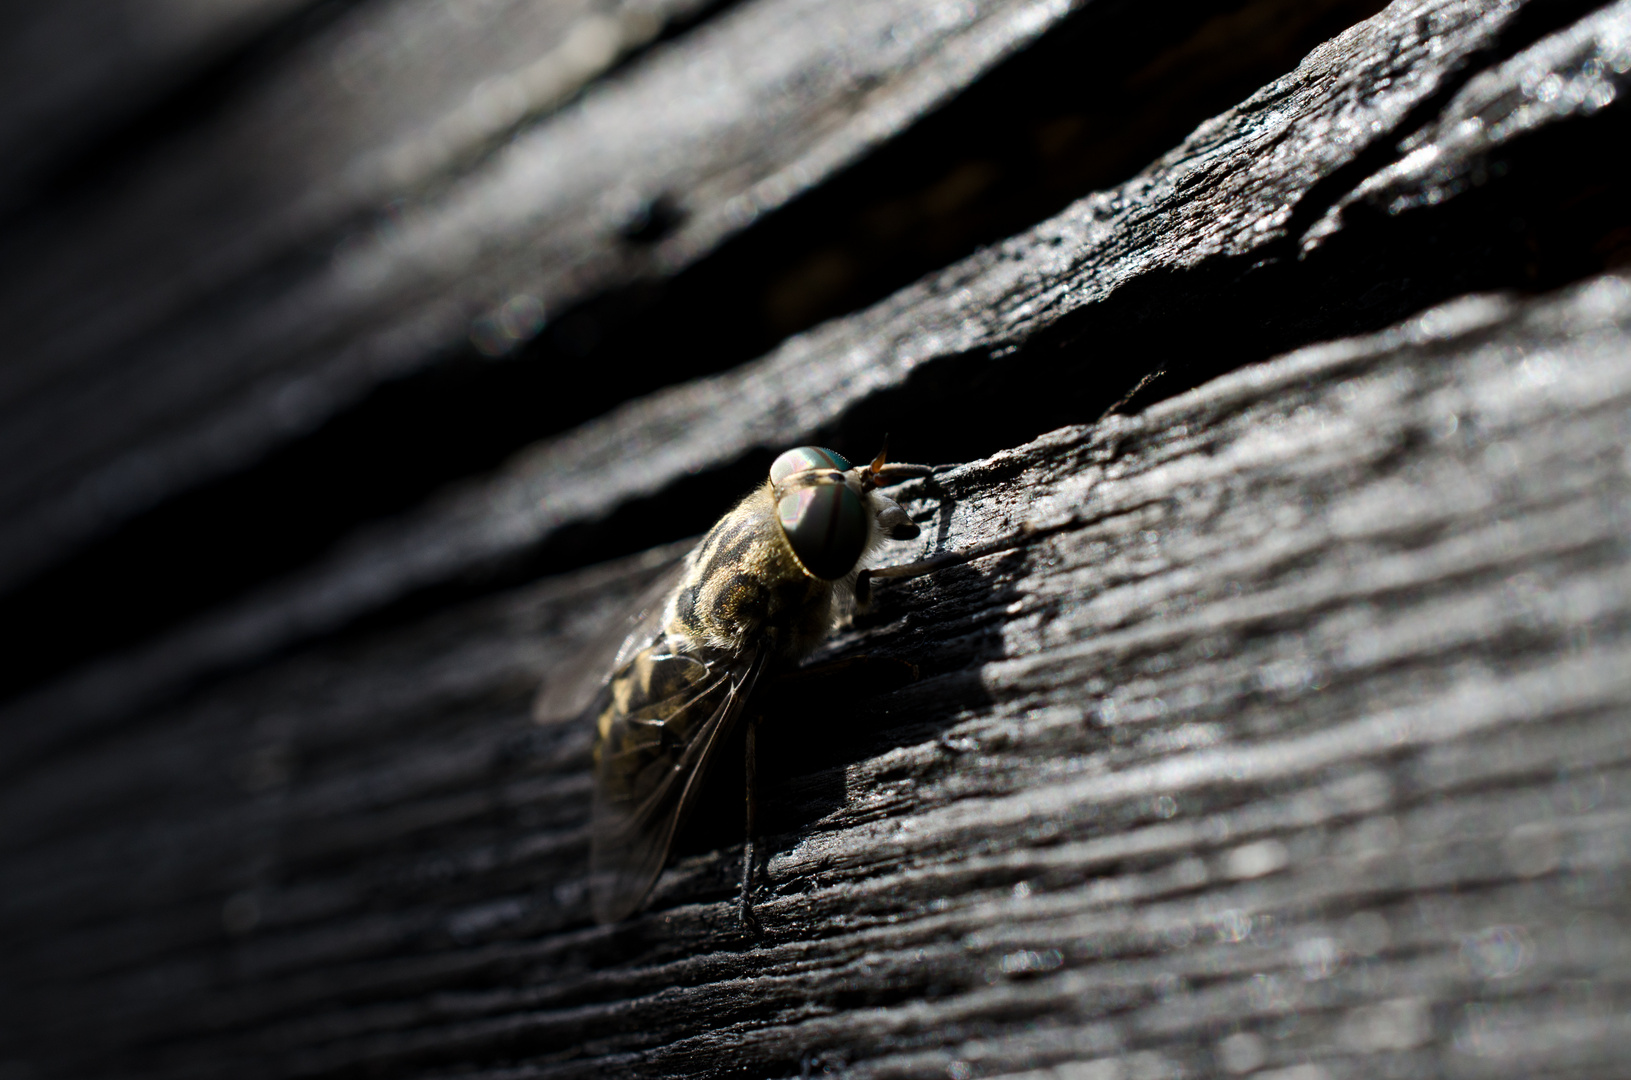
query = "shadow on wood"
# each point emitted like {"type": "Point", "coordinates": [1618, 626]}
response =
{"type": "Point", "coordinates": [1283, 736]}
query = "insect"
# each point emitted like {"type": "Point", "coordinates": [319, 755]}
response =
{"type": "Point", "coordinates": [762, 589]}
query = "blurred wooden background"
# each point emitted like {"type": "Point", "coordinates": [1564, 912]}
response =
{"type": "Point", "coordinates": [365, 355]}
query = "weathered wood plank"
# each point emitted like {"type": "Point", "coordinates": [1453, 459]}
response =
{"type": "Point", "coordinates": [1248, 238]}
{"type": "Point", "coordinates": [1292, 736]}
{"type": "Point", "coordinates": [1098, 95]}
{"type": "Point", "coordinates": [71, 69]}
{"type": "Point", "coordinates": [244, 285]}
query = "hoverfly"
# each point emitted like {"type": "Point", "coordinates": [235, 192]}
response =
{"type": "Point", "coordinates": [763, 589]}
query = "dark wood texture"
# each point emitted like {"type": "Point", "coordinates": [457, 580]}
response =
{"type": "Point", "coordinates": [70, 71]}
{"type": "Point", "coordinates": [248, 283]}
{"type": "Point", "coordinates": [202, 397]}
{"type": "Point", "coordinates": [1282, 730]}
{"type": "Point", "coordinates": [1255, 235]}
{"type": "Point", "coordinates": [1290, 729]}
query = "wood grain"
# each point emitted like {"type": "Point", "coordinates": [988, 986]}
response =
{"type": "Point", "coordinates": [1256, 235]}
{"type": "Point", "coordinates": [1288, 733]}
{"type": "Point", "coordinates": [1278, 729]}
{"type": "Point", "coordinates": [376, 200]}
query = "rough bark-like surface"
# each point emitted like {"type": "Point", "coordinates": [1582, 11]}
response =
{"type": "Point", "coordinates": [1262, 231]}
{"type": "Point", "coordinates": [246, 284]}
{"type": "Point", "coordinates": [1289, 732]}
{"type": "Point", "coordinates": [1281, 729]}
{"type": "Point", "coordinates": [70, 70]}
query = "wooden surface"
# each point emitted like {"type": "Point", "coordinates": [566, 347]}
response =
{"type": "Point", "coordinates": [70, 71]}
{"type": "Point", "coordinates": [249, 283]}
{"type": "Point", "coordinates": [1286, 734]}
{"type": "Point", "coordinates": [1295, 734]}
{"type": "Point", "coordinates": [1227, 250]}
{"type": "Point", "coordinates": [209, 387]}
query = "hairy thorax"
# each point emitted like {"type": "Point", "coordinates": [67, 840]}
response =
{"type": "Point", "coordinates": [744, 584]}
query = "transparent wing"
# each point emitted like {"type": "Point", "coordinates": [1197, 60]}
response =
{"type": "Point", "coordinates": [662, 717]}
{"type": "Point", "coordinates": [569, 691]}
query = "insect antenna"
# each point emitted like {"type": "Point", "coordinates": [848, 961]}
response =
{"type": "Point", "coordinates": [883, 454]}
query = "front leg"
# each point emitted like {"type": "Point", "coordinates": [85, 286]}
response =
{"type": "Point", "coordinates": [864, 579]}
{"type": "Point", "coordinates": [1026, 533]}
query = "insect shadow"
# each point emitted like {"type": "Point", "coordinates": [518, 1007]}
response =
{"type": "Point", "coordinates": [907, 670]}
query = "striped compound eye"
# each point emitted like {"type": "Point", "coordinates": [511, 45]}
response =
{"type": "Point", "coordinates": [805, 457]}
{"type": "Point", "coordinates": [826, 524]}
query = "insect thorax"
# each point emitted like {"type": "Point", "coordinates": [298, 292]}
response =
{"type": "Point", "coordinates": [744, 585]}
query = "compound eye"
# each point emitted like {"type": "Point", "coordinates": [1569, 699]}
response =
{"type": "Point", "coordinates": [805, 457]}
{"type": "Point", "coordinates": [826, 524]}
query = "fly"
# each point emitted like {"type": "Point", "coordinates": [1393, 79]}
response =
{"type": "Point", "coordinates": [763, 589]}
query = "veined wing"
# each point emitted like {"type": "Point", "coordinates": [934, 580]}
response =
{"type": "Point", "coordinates": [662, 717]}
{"type": "Point", "coordinates": [567, 693]}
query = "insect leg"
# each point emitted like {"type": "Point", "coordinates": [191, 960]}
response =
{"type": "Point", "coordinates": [1023, 535]}
{"type": "Point", "coordinates": [749, 854]}
{"type": "Point", "coordinates": [864, 580]}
